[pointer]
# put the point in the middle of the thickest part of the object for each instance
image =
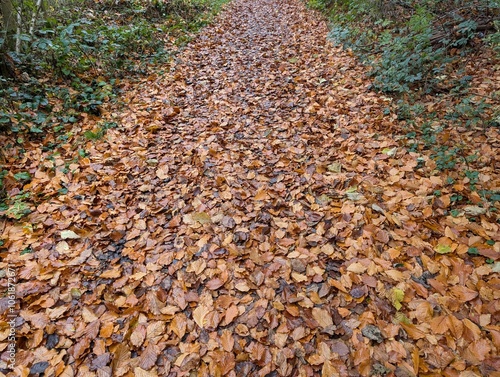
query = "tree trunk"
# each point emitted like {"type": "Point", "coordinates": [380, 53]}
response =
{"type": "Point", "coordinates": [9, 21]}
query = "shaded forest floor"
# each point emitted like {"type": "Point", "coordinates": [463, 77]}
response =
{"type": "Point", "coordinates": [256, 214]}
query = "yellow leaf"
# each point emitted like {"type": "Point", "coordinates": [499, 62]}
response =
{"type": "Point", "coordinates": [443, 249]}
{"type": "Point", "coordinates": [201, 217]}
{"type": "Point", "coordinates": [397, 296]}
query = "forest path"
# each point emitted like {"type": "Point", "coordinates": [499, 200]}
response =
{"type": "Point", "coordinates": [253, 216]}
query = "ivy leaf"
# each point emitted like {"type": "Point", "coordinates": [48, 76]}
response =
{"type": "Point", "coordinates": [22, 176]}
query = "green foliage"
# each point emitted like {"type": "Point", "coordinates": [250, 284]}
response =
{"type": "Point", "coordinates": [88, 46]}
{"type": "Point", "coordinates": [446, 158]}
{"type": "Point", "coordinates": [73, 62]}
{"type": "Point", "coordinates": [406, 54]}
{"type": "Point", "coordinates": [100, 132]}
{"type": "Point", "coordinates": [114, 50]}
{"type": "Point", "coordinates": [17, 206]}
{"type": "Point", "coordinates": [494, 39]}
{"type": "Point", "coordinates": [3, 174]}
{"type": "Point", "coordinates": [409, 60]}
{"type": "Point", "coordinates": [407, 45]}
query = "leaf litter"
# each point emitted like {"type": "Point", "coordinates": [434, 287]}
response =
{"type": "Point", "coordinates": [254, 215]}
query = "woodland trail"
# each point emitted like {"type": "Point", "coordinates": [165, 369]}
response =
{"type": "Point", "coordinates": [254, 215]}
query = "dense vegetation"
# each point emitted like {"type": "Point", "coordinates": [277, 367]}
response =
{"type": "Point", "coordinates": [436, 59]}
{"type": "Point", "coordinates": [60, 60]}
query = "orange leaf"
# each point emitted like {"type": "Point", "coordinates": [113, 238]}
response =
{"type": "Point", "coordinates": [440, 325]}
{"type": "Point", "coordinates": [413, 331]}
{"type": "Point", "coordinates": [462, 293]}
{"type": "Point", "coordinates": [227, 340]}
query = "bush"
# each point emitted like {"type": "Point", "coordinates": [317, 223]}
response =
{"type": "Point", "coordinates": [416, 51]}
{"type": "Point", "coordinates": [72, 62]}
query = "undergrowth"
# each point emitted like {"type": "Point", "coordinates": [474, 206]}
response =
{"type": "Point", "coordinates": [74, 63]}
{"type": "Point", "coordinates": [417, 52]}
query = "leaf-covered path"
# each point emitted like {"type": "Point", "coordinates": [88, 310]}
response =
{"type": "Point", "coordinates": [253, 215]}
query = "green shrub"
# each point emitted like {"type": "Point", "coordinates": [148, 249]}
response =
{"type": "Point", "coordinates": [416, 49]}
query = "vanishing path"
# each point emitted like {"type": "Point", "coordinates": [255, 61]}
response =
{"type": "Point", "coordinates": [251, 217]}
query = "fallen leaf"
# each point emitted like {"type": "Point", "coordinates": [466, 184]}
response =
{"type": "Point", "coordinates": [323, 317]}
{"type": "Point", "coordinates": [397, 296]}
{"type": "Point", "coordinates": [200, 315]}
{"type": "Point", "coordinates": [69, 234]}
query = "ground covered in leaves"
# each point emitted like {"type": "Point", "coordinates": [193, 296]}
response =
{"type": "Point", "coordinates": [253, 214]}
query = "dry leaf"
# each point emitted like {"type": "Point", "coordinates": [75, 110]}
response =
{"type": "Point", "coordinates": [323, 318]}
{"type": "Point", "coordinates": [200, 315]}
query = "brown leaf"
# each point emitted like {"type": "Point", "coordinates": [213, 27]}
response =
{"type": "Point", "coordinates": [200, 315]}
{"type": "Point", "coordinates": [227, 340]}
{"type": "Point", "coordinates": [149, 356]}
{"type": "Point", "coordinates": [138, 335]}
{"type": "Point", "coordinates": [139, 372]}
{"type": "Point", "coordinates": [329, 370]}
{"type": "Point", "coordinates": [463, 294]}
{"type": "Point", "coordinates": [323, 317]}
{"type": "Point", "coordinates": [226, 362]}
{"type": "Point", "coordinates": [440, 325]}
{"type": "Point", "coordinates": [179, 325]}
{"type": "Point", "coordinates": [214, 284]}
{"type": "Point", "coordinates": [413, 331]}
{"type": "Point", "coordinates": [155, 329]}
{"type": "Point", "coordinates": [121, 357]}
{"type": "Point", "coordinates": [81, 347]}
{"type": "Point", "coordinates": [340, 348]}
